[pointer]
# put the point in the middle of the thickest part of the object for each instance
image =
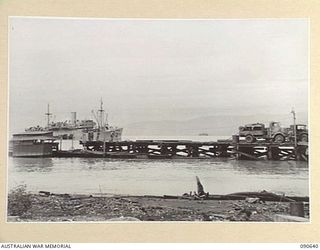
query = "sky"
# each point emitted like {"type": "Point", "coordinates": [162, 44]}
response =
{"type": "Point", "coordinates": [154, 70]}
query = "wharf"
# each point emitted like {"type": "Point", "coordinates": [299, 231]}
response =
{"type": "Point", "coordinates": [185, 149]}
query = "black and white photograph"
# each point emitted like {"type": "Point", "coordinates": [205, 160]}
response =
{"type": "Point", "coordinates": [158, 120]}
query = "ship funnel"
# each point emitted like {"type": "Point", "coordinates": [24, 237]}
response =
{"type": "Point", "coordinates": [74, 118]}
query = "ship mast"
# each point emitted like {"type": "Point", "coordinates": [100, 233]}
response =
{"type": "Point", "coordinates": [102, 126]}
{"type": "Point", "coordinates": [101, 114]}
{"type": "Point", "coordinates": [48, 115]}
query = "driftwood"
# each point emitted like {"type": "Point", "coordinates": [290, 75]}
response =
{"type": "Point", "coordinates": [263, 196]}
{"type": "Point", "coordinates": [241, 196]}
{"type": "Point", "coordinates": [251, 197]}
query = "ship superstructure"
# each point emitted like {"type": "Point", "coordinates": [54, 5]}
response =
{"type": "Point", "coordinates": [102, 131]}
{"type": "Point", "coordinates": [84, 130]}
{"type": "Point", "coordinates": [68, 129]}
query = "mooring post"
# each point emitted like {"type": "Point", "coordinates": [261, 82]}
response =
{"type": "Point", "coordinates": [246, 153]}
{"type": "Point", "coordinates": [295, 135]}
{"type": "Point", "coordinates": [269, 153]}
{"type": "Point", "coordinates": [298, 153]}
{"type": "Point", "coordinates": [195, 151]}
{"type": "Point", "coordinates": [273, 153]}
{"type": "Point", "coordinates": [223, 150]}
{"type": "Point", "coordinates": [104, 144]}
{"type": "Point", "coordinates": [164, 149]}
{"type": "Point", "coordinates": [189, 150]}
{"type": "Point", "coordinates": [238, 149]}
{"type": "Point", "coordinates": [173, 150]}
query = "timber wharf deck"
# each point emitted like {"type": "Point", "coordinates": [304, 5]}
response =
{"type": "Point", "coordinates": [166, 149]}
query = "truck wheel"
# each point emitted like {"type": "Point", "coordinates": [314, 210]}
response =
{"type": "Point", "coordinates": [304, 138]}
{"type": "Point", "coordinates": [250, 138]}
{"type": "Point", "coordinates": [279, 138]}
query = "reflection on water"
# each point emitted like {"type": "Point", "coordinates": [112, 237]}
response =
{"type": "Point", "coordinates": [270, 167]}
{"type": "Point", "coordinates": [33, 165]}
{"type": "Point", "coordinates": [158, 177]}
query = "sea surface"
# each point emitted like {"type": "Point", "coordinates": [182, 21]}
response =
{"type": "Point", "coordinates": [156, 177]}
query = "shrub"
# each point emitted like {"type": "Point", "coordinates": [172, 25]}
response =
{"type": "Point", "coordinates": [19, 201]}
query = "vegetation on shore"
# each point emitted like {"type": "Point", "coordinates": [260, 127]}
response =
{"type": "Point", "coordinates": [44, 206]}
{"type": "Point", "coordinates": [19, 201]}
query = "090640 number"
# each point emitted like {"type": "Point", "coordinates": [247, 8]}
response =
{"type": "Point", "coordinates": [308, 245]}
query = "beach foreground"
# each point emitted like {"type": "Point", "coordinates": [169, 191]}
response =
{"type": "Point", "coordinates": [47, 207]}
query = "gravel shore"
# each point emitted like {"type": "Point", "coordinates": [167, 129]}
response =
{"type": "Point", "coordinates": [67, 208]}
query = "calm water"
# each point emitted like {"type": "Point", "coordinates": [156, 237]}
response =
{"type": "Point", "coordinates": [157, 177]}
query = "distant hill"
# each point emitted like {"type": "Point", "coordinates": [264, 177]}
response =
{"type": "Point", "coordinates": [213, 125]}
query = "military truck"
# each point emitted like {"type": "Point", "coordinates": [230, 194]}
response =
{"type": "Point", "coordinates": [302, 133]}
{"type": "Point", "coordinates": [274, 132]}
{"type": "Point", "coordinates": [255, 131]}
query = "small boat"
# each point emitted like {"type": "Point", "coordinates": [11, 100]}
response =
{"type": "Point", "coordinates": [203, 134]}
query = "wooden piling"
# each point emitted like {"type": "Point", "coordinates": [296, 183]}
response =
{"type": "Point", "coordinates": [190, 149]}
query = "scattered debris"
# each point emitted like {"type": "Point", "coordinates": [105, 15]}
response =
{"type": "Point", "coordinates": [121, 218]}
{"type": "Point", "coordinates": [44, 193]}
{"type": "Point", "coordinates": [252, 200]}
{"type": "Point", "coordinates": [192, 206]}
{"type": "Point", "coordinates": [133, 208]}
{"type": "Point", "coordinates": [217, 217]}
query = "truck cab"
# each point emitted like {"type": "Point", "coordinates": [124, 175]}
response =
{"type": "Point", "coordinates": [276, 133]}
{"type": "Point", "coordinates": [302, 132]}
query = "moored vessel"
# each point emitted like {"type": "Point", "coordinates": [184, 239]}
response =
{"type": "Point", "coordinates": [68, 129]}
{"type": "Point", "coordinates": [102, 132]}
{"type": "Point", "coordinates": [33, 144]}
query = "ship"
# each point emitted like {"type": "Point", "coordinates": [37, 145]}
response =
{"type": "Point", "coordinates": [68, 129]}
{"type": "Point", "coordinates": [203, 134]}
{"type": "Point", "coordinates": [33, 144]}
{"type": "Point", "coordinates": [102, 132]}
{"type": "Point", "coordinates": [82, 130]}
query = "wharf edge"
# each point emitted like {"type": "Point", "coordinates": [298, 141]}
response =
{"type": "Point", "coordinates": [184, 149]}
